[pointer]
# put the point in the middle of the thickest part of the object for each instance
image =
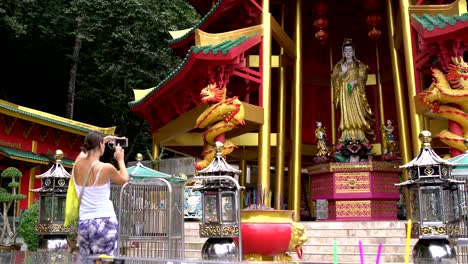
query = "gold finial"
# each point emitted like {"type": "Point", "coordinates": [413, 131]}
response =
{"type": "Point", "coordinates": [139, 157]}
{"type": "Point", "coordinates": [425, 137]}
{"type": "Point", "coordinates": [219, 148]}
{"type": "Point", "coordinates": [58, 155]}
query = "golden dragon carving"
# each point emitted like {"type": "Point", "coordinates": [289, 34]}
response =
{"type": "Point", "coordinates": [447, 97]}
{"type": "Point", "coordinates": [223, 115]}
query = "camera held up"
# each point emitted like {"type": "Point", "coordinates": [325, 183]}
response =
{"type": "Point", "coordinates": [122, 141]}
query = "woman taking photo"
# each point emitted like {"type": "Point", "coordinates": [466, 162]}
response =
{"type": "Point", "coordinates": [97, 225]}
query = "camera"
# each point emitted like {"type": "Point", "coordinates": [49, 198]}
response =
{"type": "Point", "coordinates": [122, 141]}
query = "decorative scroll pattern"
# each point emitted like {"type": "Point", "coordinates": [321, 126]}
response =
{"type": "Point", "coordinates": [433, 230]}
{"type": "Point", "coordinates": [210, 230]}
{"type": "Point", "coordinates": [231, 230]}
{"type": "Point", "coordinates": [52, 228]}
{"type": "Point", "coordinates": [352, 182]}
{"type": "Point", "coordinates": [353, 208]}
{"type": "Point", "coordinates": [366, 209]}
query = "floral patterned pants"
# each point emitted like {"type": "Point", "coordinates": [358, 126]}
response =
{"type": "Point", "coordinates": [97, 236]}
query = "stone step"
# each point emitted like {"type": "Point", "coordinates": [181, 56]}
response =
{"type": "Point", "coordinates": [321, 236]}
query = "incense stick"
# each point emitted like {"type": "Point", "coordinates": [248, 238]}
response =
{"type": "Point", "coordinates": [335, 252]}
{"type": "Point", "coordinates": [361, 252]}
{"type": "Point", "coordinates": [408, 241]}
{"type": "Point", "coordinates": [377, 261]}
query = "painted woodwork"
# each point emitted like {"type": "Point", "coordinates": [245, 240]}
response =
{"type": "Point", "coordinates": [357, 191]}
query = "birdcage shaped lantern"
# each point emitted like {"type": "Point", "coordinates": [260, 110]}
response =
{"type": "Point", "coordinates": [433, 194]}
{"type": "Point", "coordinates": [220, 198]}
{"type": "Point", "coordinates": [150, 213]}
{"type": "Point", "coordinates": [52, 198]}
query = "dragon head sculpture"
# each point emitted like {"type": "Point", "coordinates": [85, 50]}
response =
{"type": "Point", "coordinates": [298, 238]}
{"type": "Point", "coordinates": [212, 94]}
{"type": "Point", "coordinates": [458, 73]}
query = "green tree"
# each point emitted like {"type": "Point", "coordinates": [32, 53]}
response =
{"type": "Point", "coordinates": [89, 54]}
{"type": "Point", "coordinates": [7, 199]}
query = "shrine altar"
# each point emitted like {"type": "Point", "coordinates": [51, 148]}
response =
{"type": "Point", "coordinates": [357, 190]}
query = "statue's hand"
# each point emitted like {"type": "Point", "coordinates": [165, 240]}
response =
{"type": "Point", "coordinates": [344, 68]}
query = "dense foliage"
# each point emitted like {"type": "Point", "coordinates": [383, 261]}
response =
{"type": "Point", "coordinates": [27, 227]}
{"type": "Point", "coordinates": [81, 59]}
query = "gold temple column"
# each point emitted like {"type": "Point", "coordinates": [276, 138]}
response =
{"type": "Point", "coordinates": [155, 149]}
{"type": "Point", "coordinates": [380, 94]}
{"type": "Point", "coordinates": [332, 99]}
{"type": "Point", "coordinates": [264, 143]}
{"type": "Point", "coordinates": [242, 179]}
{"type": "Point", "coordinates": [416, 121]}
{"type": "Point", "coordinates": [405, 150]}
{"type": "Point", "coordinates": [403, 130]}
{"type": "Point", "coordinates": [281, 129]}
{"type": "Point", "coordinates": [32, 177]}
{"type": "Point", "coordinates": [295, 165]}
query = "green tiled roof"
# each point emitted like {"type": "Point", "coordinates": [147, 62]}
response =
{"type": "Point", "coordinates": [213, 9]}
{"type": "Point", "coordinates": [223, 48]}
{"type": "Point", "coordinates": [439, 21]}
{"type": "Point", "coordinates": [23, 155]}
{"type": "Point", "coordinates": [461, 162]}
{"type": "Point", "coordinates": [141, 172]}
{"type": "Point", "coordinates": [57, 120]}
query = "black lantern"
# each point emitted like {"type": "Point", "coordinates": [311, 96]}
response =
{"type": "Point", "coordinates": [221, 209]}
{"type": "Point", "coordinates": [52, 197]}
{"type": "Point", "coordinates": [434, 198]}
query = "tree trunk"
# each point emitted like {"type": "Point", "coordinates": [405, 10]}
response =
{"type": "Point", "coordinates": [73, 71]}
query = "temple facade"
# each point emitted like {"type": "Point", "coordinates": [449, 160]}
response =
{"type": "Point", "coordinates": [29, 139]}
{"type": "Point", "coordinates": [280, 60]}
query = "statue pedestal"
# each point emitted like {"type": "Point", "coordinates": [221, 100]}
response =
{"type": "Point", "coordinates": [357, 191]}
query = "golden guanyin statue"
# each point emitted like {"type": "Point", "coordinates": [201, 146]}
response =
{"type": "Point", "coordinates": [349, 78]}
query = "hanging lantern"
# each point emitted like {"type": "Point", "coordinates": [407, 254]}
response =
{"type": "Point", "coordinates": [374, 34]}
{"type": "Point", "coordinates": [321, 23]}
{"type": "Point", "coordinates": [321, 8]}
{"type": "Point", "coordinates": [322, 36]}
{"type": "Point", "coordinates": [371, 5]}
{"type": "Point", "coordinates": [374, 21]}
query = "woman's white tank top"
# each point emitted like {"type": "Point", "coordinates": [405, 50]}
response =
{"type": "Point", "coordinates": [95, 202]}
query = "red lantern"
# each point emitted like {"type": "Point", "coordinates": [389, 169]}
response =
{"type": "Point", "coordinates": [321, 8]}
{"type": "Point", "coordinates": [321, 23]}
{"type": "Point", "coordinates": [374, 34]}
{"type": "Point", "coordinates": [322, 36]}
{"type": "Point", "coordinates": [371, 5]}
{"type": "Point", "coordinates": [373, 20]}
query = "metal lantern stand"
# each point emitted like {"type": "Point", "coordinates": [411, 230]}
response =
{"type": "Point", "coordinates": [435, 205]}
{"type": "Point", "coordinates": [221, 219]}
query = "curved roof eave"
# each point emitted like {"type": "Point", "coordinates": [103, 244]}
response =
{"type": "Point", "coordinates": [429, 26]}
{"type": "Point", "coordinates": [50, 120]}
{"type": "Point", "coordinates": [199, 25]}
{"type": "Point", "coordinates": [222, 49]}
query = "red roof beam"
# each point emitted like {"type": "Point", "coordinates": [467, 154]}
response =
{"type": "Point", "coordinates": [248, 74]}
{"type": "Point", "coordinates": [254, 3]}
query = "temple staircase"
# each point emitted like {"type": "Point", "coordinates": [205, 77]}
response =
{"type": "Point", "coordinates": [322, 234]}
